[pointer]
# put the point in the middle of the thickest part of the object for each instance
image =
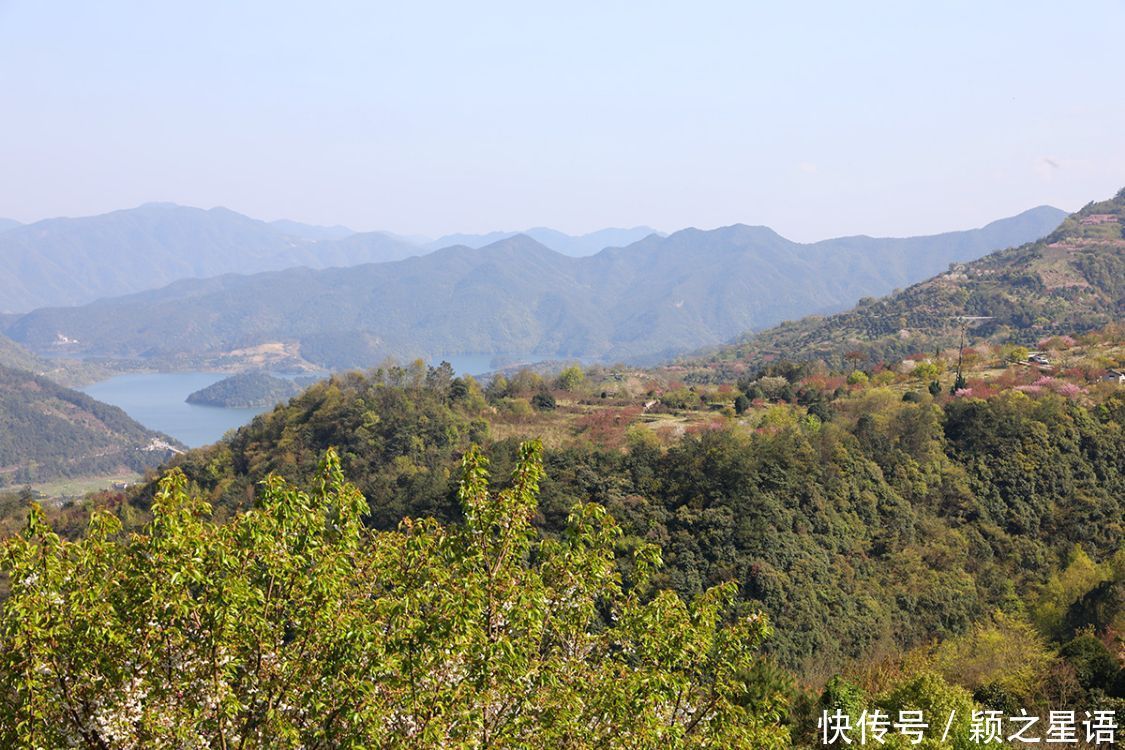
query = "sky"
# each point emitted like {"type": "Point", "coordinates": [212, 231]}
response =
{"type": "Point", "coordinates": [818, 119]}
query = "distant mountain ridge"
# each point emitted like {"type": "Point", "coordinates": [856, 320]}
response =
{"type": "Point", "coordinates": [1070, 281]}
{"type": "Point", "coordinates": [313, 232]}
{"type": "Point", "coordinates": [651, 299]}
{"type": "Point", "coordinates": [73, 261]}
{"type": "Point", "coordinates": [576, 246]}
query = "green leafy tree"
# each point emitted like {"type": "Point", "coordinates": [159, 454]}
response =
{"type": "Point", "coordinates": [570, 378]}
{"type": "Point", "coordinates": [1015, 354]}
{"type": "Point", "coordinates": [293, 625]}
{"type": "Point", "coordinates": [543, 400]}
{"type": "Point", "coordinates": [938, 701]}
{"type": "Point", "coordinates": [927, 370]}
{"type": "Point", "coordinates": [1095, 665]}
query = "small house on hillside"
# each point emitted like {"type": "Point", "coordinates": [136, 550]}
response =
{"type": "Point", "coordinates": [1113, 376]}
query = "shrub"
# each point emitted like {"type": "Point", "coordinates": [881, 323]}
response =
{"type": "Point", "coordinates": [543, 401]}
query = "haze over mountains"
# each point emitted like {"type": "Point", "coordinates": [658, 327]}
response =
{"type": "Point", "coordinates": [653, 298]}
{"type": "Point", "coordinates": [575, 246]}
{"type": "Point", "coordinates": [1071, 281]}
{"type": "Point", "coordinates": [314, 232]}
{"type": "Point", "coordinates": [72, 261]}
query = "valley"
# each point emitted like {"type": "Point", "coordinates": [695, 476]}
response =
{"type": "Point", "coordinates": [863, 490]}
{"type": "Point", "coordinates": [598, 376]}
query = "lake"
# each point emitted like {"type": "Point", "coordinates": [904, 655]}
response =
{"type": "Point", "coordinates": [156, 400]}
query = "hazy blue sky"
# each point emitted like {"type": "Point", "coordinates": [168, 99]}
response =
{"type": "Point", "coordinates": [818, 119]}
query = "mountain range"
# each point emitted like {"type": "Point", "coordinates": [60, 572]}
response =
{"type": "Point", "coordinates": [1071, 281]}
{"type": "Point", "coordinates": [573, 245]}
{"type": "Point", "coordinates": [650, 299]}
{"type": "Point", "coordinates": [72, 261]}
{"type": "Point", "coordinates": [313, 232]}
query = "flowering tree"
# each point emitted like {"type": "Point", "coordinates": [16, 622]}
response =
{"type": "Point", "coordinates": [294, 626]}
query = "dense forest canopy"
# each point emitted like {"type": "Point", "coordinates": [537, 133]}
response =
{"type": "Point", "coordinates": [864, 523]}
{"type": "Point", "coordinates": [991, 524]}
{"type": "Point", "coordinates": [293, 626]}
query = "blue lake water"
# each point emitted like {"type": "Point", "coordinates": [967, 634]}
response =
{"type": "Point", "coordinates": [156, 400]}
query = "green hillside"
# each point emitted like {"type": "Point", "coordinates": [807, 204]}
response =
{"type": "Point", "coordinates": [48, 431]}
{"type": "Point", "coordinates": [891, 522]}
{"type": "Point", "coordinates": [929, 547]}
{"type": "Point", "coordinates": [246, 390]}
{"type": "Point", "coordinates": [14, 355]}
{"type": "Point", "coordinates": [1070, 281]}
{"type": "Point", "coordinates": [68, 372]}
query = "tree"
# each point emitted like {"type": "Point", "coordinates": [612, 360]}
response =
{"type": "Point", "coordinates": [1094, 664]}
{"type": "Point", "coordinates": [570, 378]}
{"type": "Point", "coordinates": [927, 370]}
{"type": "Point", "coordinates": [459, 389]}
{"type": "Point", "coordinates": [1003, 656]}
{"type": "Point", "coordinates": [543, 400]}
{"type": "Point", "coordinates": [439, 379]}
{"type": "Point", "coordinates": [497, 388]}
{"type": "Point", "coordinates": [822, 410]}
{"type": "Point", "coordinates": [934, 697]}
{"type": "Point", "coordinates": [1015, 354]}
{"type": "Point", "coordinates": [295, 626]}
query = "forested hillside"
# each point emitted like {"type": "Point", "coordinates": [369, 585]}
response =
{"type": "Point", "coordinates": [67, 372]}
{"type": "Point", "coordinates": [658, 296]}
{"type": "Point", "coordinates": [935, 548]}
{"type": "Point", "coordinates": [47, 431]}
{"type": "Point", "coordinates": [245, 390]}
{"type": "Point", "coordinates": [14, 355]}
{"type": "Point", "coordinates": [1071, 280]}
{"type": "Point", "coordinates": [877, 525]}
